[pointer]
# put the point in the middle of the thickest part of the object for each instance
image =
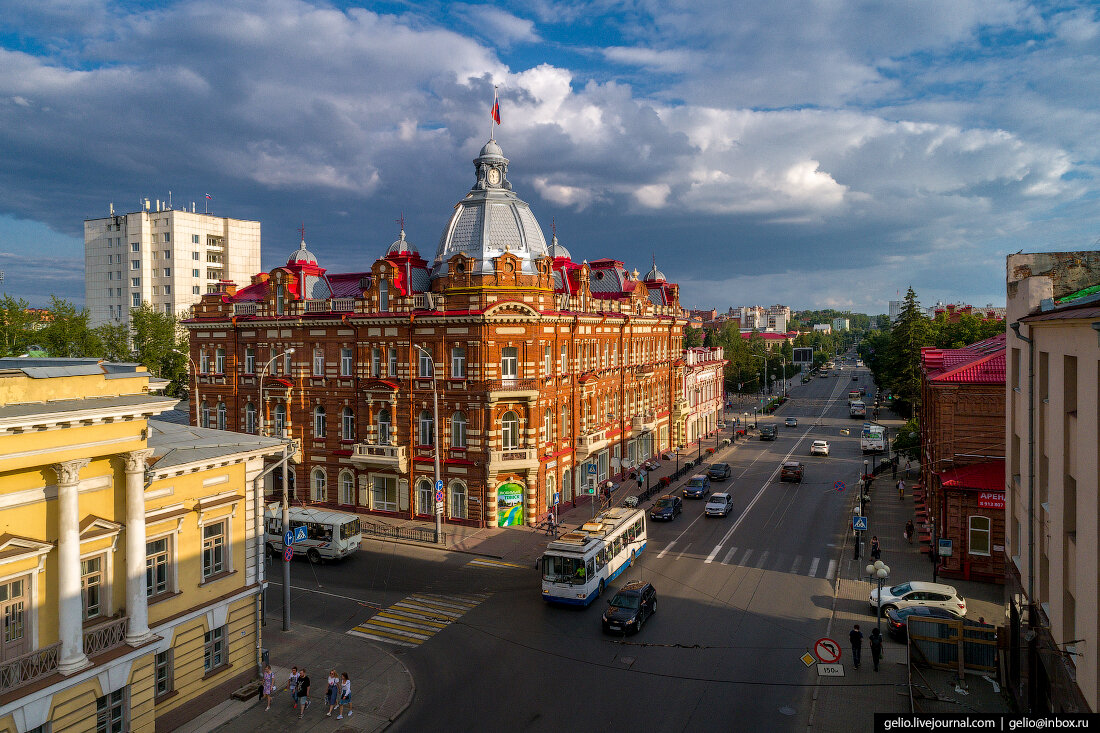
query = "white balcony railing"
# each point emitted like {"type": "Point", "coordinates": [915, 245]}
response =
{"type": "Point", "coordinates": [316, 306]}
{"type": "Point", "coordinates": [245, 309]}
{"type": "Point", "coordinates": [374, 454]}
{"type": "Point", "coordinates": [513, 459]}
{"type": "Point", "coordinates": [343, 305]}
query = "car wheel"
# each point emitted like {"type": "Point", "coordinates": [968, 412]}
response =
{"type": "Point", "coordinates": [888, 607]}
{"type": "Point", "coordinates": [313, 555]}
{"type": "Point", "coordinates": [599, 589]}
{"type": "Point", "coordinates": [654, 609]}
{"type": "Point", "coordinates": [641, 622]}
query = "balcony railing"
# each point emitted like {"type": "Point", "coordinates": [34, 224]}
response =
{"type": "Point", "coordinates": [390, 456]}
{"type": "Point", "coordinates": [106, 636]}
{"type": "Point", "coordinates": [316, 306]}
{"type": "Point", "coordinates": [28, 667]}
{"type": "Point", "coordinates": [642, 423]}
{"type": "Point", "coordinates": [503, 389]}
{"type": "Point", "coordinates": [591, 442]}
{"type": "Point", "coordinates": [343, 305]}
{"type": "Point", "coordinates": [513, 459]}
{"type": "Point", "coordinates": [245, 309]}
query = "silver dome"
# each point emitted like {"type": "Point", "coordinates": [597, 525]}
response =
{"type": "Point", "coordinates": [400, 245]}
{"type": "Point", "coordinates": [655, 275]}
{"type": "Point", "coordinates": [302, 256]}
{"type": "Point", "coordinates": [557, 250]}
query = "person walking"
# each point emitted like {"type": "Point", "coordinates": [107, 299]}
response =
{"type": "Point", "coordinates": [303, 692]}
{"type": "Point", "coordinates": [345, 696]}
{"type": "Point", "coordinates": [909, 531]}
{"type": "Point", "coordinates": [332, 692]}
{"type": "Point", "coordinates": [876, 549]}
{"type": "Point", "coordinates": [876, 647]}
{"type": "Point", "coordinates": [292, 685]}
{"type": "Point", "coordinates": [269, 685]}
{"type": "Point", "coordinates": [901, 489]}
{"type": "Point", "coordinates": [856, 637]}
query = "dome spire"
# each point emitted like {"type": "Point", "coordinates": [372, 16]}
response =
{"type": "Point", "coordinates": [655, 275]}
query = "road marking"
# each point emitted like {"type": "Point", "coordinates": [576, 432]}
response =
{"type": "Point", "coordinates": [683, 552]}
{"type": "Point", "coordinates": [813, 567]}
{"type": "Point", "coordinates": [484, 562]}
{"type": "Point", "coordinates": [832, 570]}
{"type": "Point", "coordinates": [729, 556]}
{"type": "Point", "coordinates": [667, 548]}
{"type": "Point", "coordinates": [416, 618]}
{"type": "Point", "coordinates": [715, 551]}
{"type": "Point", "coordinates": [795, 564]}
{"type": "Point", "coordinates": [763, 559]}
{"type": "Point", "coordinates": [745, 560]}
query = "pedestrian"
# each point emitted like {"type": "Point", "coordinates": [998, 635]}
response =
{"type": "Point", "coordinates": [269, 685]}
{"type": "Point", "coordinates": [332, 692]}
{"type": "Point", "coordinates": [876, 549]}
{"type": "Point", "coordinates": [894, 468]}
{"type": "Point", "coordinates": [345, 696]}
{"type": "Point", "coordinates": [856, 637]}
{"type": "Point", "coordinates": [303, 692]}
{"type": "Point", "coordinates": [901, 489]}
{"type": "Point", "coordinates": [876, 647]}
{"type": "Point", "coordinates": [907, 465]}
{"type": "Point", "coordinates": [909, 531]}
{"type": "Point", "coordinates": [292, 685]}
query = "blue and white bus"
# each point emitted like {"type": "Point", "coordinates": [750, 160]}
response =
{"type": "Point", "coordinates": [578, 565]}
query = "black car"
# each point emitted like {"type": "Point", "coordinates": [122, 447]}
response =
{"type": "Point", "coordinates": [720, 471]}
{"type": "Point", "coordinates": [769, 432]}
{"type": "Point", "coordinates": [897, 619]}
{"type": "Point", "coordinates": [667, 507]}
{"type": "Point", "coordinates": [632, 605]}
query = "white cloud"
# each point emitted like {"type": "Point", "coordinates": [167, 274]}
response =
{"type": "Point", "coordinates": [660, 60]}
{"type": "Point", "coordinates": [653, 196]}
{"type": "Point", "coordinates": [495, 25]}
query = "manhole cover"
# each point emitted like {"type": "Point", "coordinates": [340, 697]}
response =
{"type": "Point", "coordinates": [785, 710]}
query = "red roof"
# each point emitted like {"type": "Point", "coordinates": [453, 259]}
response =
{"type": "Point", "coordinates": [989, 476]}
{"type": "Point", "coordinates": [768, 336]}
{"type": "Point", "coordinates": [982, 362]}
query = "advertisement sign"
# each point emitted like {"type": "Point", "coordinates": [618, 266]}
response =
{"type": "Point", "coordinates": [510, 505]}
{"type": "Point", "coordinates": [991, 500]}
{"type": "Point", "coordinates": [803, 355]}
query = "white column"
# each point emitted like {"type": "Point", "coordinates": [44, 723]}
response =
{"type": "Point", "coordinates": [137, 606]}
{"type": "Point", "coordinates": [70, 616]}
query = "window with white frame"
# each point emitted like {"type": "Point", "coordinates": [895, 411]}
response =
{"type": "Point", "coordinates": [563, 362]}
{"type": "Point", "coordinates": [347, 424]}
{"type": "Point", "coordinates": [250, 418]}
{"type": "Point", "coordinates": [550, 488]}
{"type": "Point", "coordinates": [288, 363]}
{"type": "Point", "coordinates": [318, 362]}
{"type": "Point", "coordinates": [215, 650]}
{"type": "Point", "coordinates": [135, 247]}
{"type": "Point", "coordinates": [383, 295]}
{"type": "Point", "coordinates": [509, 362]}
{"type": "Point", "coordinates": [424, 365]}
{"type": "Point", "coordinates": [204, 415]}
{"type": "Point", "coordinates": [135, 282]}
{"type": "Point", "coordinates": [384, 493]}
{"type": "Point", "coordinates": [458, 430]}
{"type": "Point", "coordinates": [384, 427]}
{"type": "Point", "coordinates": [135, 300]}
{"type": "Point", "coordinates": [135, 264]}
{"type": "Point", "coordinates": [204, 361]}
{"type": "Point", "coordinates": [457, 500]}
{"type": "Point", "coordinates": [319, 485]}
{"type": "Point", "coordinates": [424, 499]}
{"type": "Point", "coordinates": [509, 431]}
{"type": "Point", "coordinates": [564, 422]}
{"type": "Point", "coordinates": [250, 360]}
{"type": "Point", "coordinates": [376, 362]}
{"type": "Point", "coordinates": [195, 255]}
{"type": "Point", "coordinates": [195, 240]}
{"type": "Point", "coordinates": [318, 422]}
{"type": "Point", "coordinates": [980, 530]}
{"type": "Point", "coordinates": [458, 362]}
{"type": "Point", "coordinates": [162, 674]}
{"type": "Point", "coordinates": [158, 567]}
{"type": "Point", "coordinates": [167, 271]}
{"type": "Point", "coordinates": [392, 361]}
{"type": "Point", "coordinates": [426, 429]}
{"type": "Point", "coordinates": [547, 361]}
{"type": "Point", "coordinates": [93, 590]}
{"type": "Point", "coordinates": [280, 419]}
{"type": "Point", "coordinates": [347, 487]}
{"type": "Point", "coordinates": [347, 361]}
{"type": "Point", "coordinates": [548, 425]}
{"type": "Point", "coordinates": [213, 548]}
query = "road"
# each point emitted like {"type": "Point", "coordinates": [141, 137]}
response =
{"type": "Point", "coordinates": [740, 600]}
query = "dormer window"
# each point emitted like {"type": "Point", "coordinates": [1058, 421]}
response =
{"type": "Point", "coordinates": [383, 295]}
{"type": "Point", "coordinates": [280, 300]}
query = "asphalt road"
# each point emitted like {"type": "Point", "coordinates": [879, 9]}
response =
{"type": "Point", "coordinates": [740, 600]}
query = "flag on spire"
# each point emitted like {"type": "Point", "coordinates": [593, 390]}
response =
{"type": "Point", "coordinates": [495, 111]}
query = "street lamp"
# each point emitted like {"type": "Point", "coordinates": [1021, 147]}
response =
{"type": "Point", "coordinates": [878, 571]}
{"type": "Point", "coordinates": [678, 449]}
{"type": "Point", "coordinates": [435, 420]}
{"type": "Point", "coordinates": [760, 386]}
{"type": "Point", "coordinates": [263, 373]}
{"type": "Point", "coordinates": [195, 371]}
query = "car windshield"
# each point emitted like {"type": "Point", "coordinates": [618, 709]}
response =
{"type": "Point", "coordinates": [695, 482]}
{"type": "Point", "coordinates": [562, 569]}
{"type": "Point", "coordinates": [902, 589]}
{"type": "Point", "coordinates": [663, 503]}
{"type": "Point", "coordinates": [625, 600]}
{"type": "Point", "coordinates": [717, 500]}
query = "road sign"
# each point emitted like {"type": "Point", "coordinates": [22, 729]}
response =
{"type": "Point", "coordinates": [592, 469]}
{"type": "Point", "coordinates": [439, 507]}
{"type": "Point", "coordinates": [557, 497]}
{"type": "Point", "coordinates": [288, 538]}
{"type": "Point", "coordinates": [839, 485]}
{"type": "Point", "coordinates": [439, 495]}
{"type": "Point", "coordinates": [808, 659]}
{"type": "Point", "coordinates": [859, 523]}
{"type": "Point", "coordinates": [943, 547]}
{"type": "Point", "coordinates": [830, 670]}
{"type": "Point", "coordinates": [299, 533]}
{"type": "Point", "coordinates": [288, 554]}
{"type": "Point", "coordinates": [827, 650]}
{"type": "Point", "coordinates": [439, 485]}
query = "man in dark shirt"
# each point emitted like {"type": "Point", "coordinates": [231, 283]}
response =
{"type": "Point", "coordinates": [855, 636]}
{"type": "Point", "coordinates": [303, 691]}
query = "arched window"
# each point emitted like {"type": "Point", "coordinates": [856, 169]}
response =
{"type": "Point", "coordinates": [221, 416]}
{"type": "Point", "coordinates": [548, 425]}
{"type": "Point", "coordinates": [425, 503]}
{"type": "Point", "coordinates": [457, 503]}
{"type": "Point", "coordinates": [318, 422]}
{"type": "Point", "coordinates": [565, 423]}
{"type": "Point", "coordinates": [384, 436]}
{"type": "Point", "coordinates": [509, 431]}
{"type": "Point", "coordinates": [318, 485]}
{"type": "Point", "coordinates": [204, 415]}
{"type": "Point", "coordinates": [458, 430]}
{"type": "Point", "coordinates": [250, 418]}
{"type": "Point", "coordinates": [280, 419]}
{"type": "Point", "coordinates": [383, 295]}
{"type": "Point", "coordinates": [347, 424]}
{"type": "Point", "coordinates": [347, 487]}
{"type": "Point", "coordinates": [427, 428]}
{"type": "Point", "coordinates": [550, 491]}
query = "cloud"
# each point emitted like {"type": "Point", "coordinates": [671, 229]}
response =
{"type": "Point", "coordinates": [496, 25]}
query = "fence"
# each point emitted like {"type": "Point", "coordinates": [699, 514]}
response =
{"type": "Point", "coordinates": [954, 644]}
{"type": "Point", "coordinates": [398, 532]}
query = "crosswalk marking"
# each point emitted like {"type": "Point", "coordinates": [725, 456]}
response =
{"type": "Point", "coordinates": [813, 566]}
{"type": "Point", "coordinates": [745, 560]}
{"type": "Point", "coordinates": [729, 556]}
{"type": "Point", "coordinates": [667, 548]}
{"type": "Point", "coordinates": [832, 570]}
{"type": "Point", "coordinates": [795, 564]}
{"type": "Point", "coordinates": [763, 559]}
{"type": "Point", "coordinates": [416, 618]}
{"type": "Point", "coordinates": [485, 562]}
{"type": "Point", "coordinates": [715, 551]}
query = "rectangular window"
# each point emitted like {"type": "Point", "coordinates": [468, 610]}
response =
{"type": "Point", "coordinates": [194, 239]}
{"type": "Point", "coordinates": [162, 673]}
{"type": "Point", "coordinates": [458, 362]}
{"type": "Point", "coordinates": [168, 272]}
{"type": "Point", "coordinates": [219, 361]}
{"type": "Point", "coordinates": [393, 361]}
{"type": "Point", "coordinates": [167, 254]}
{"type": "Point", "coordinates": [547, 361]}
{"type": "Point", "coordinates": [135, 247]}
{"type": "Point", "coordinates": [111, 713]}
{"type": "Point", "coordinates": [195, 273]}
{"type": "Point", "coordinates": [110, 275]}
{"type": "Point", "coordinates": [91, 587]}
{"type": "Point", "coordinates": [196, 290]}
{"type": "Point", "coordinates": [563, 362]}
{"type": "Point", "coordinates": [195, 255]}
{"type": "Point", "coordinates": [214, 650]}
{"type": "Point", "coordinates": [318, 362]}
{"type": "Point", "coordinates": [153, 255]}
{"type": "Point", "coordinates": [157, 559]}
{"type": "Point", "coordinates": [384, 493]}
{"type": "Point", "coordinates": [287, 363]}
{"type": "Point", "coordinates": [345, 361]}
{"type": "Point", "coordinates": [213, 549]}
{"type": "Point", "coordinates": [167, 236]}
{"type": "Point", "coordinates": [376, 362]}
{"type": "Point", "coordinates": [156, 290]}
{"type": "Point", "coordinates": [509, 362]}
{"type": "Point", "coordinates": [135, 264]}
{"type": "Point", "coordinates": [250, 360]}
{"type": "Point", "coordinates": [135, 300]}
{"type": "Point", "coordinates": [979, 535]}
{"type": "Point", "coordinates": [135, 282]}
{"type": "Point", "coordinates": [167, 289]}
{"type": "Point", "coordinates": [425, 364]}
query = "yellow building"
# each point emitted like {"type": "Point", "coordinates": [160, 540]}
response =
{"type": "Point", "coordinates": [130, 565]}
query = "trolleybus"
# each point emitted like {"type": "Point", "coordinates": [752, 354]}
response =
{"type": "Point", "coordinates": [329, 535]}
{"type": "Point", "coordinates": [578, 565]}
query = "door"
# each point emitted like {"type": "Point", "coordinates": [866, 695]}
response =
{"type": "Point", "coordinates": [13, 616]}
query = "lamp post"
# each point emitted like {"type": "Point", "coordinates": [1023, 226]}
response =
{"type": "Point", "coordinates": [435, 430]}
{"type": "Point", "coordinates": [263, 373]}
{"type": "Point", "coordinates": [678, 449]}
{"type": "Point", "coordinates": [878, 571]}
{"type": "Point", "coordinates": [759, 387]}
{"type": "Point", "coordinates": [195, 371]}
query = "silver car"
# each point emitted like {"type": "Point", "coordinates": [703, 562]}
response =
{"type": "Point", "coordinates": [719, 505]}
{"type": "Point", "coordinates": [918, 593]}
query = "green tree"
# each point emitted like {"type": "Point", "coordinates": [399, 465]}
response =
{"type": "Point", "coordinates": [909, 334]}
{"type": "Point", "coordinates": [157, 338]}
{"type": "Point", "coordinates": [907, 441]}
{"type": "Point", "coordinates": [114, 339]}
{"type": "Point", "coordinates": [16, 326]}
{"type": "Point", "coordinates": [692, 337]}
{"type": "Point", "coordinates": [68, 334]}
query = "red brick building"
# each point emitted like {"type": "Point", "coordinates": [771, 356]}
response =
{"type": "Point", "coordinates": [542, 367]}
{"type": "Point", "coordinates": [962, 424]}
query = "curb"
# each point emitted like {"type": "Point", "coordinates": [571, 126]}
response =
{"type": "Point", "coordinates": [442, 548]}
{"type": "Point", "coordinates": [412, 690]}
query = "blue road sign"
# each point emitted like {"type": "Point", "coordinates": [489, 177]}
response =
{"type": "Point", "coordinates": [288, 538]}
{"type": "Point", "coordinates": [439, 485]}
{"type": "Point", "coordinates": [299, 533]}
{"type": "Point", "coordinates": [838, 485]}
{"type": "Point", "coordinates": [557, 497]}
{"type": "Point", "coordinates": [592, 469]}
{"type": "Point", "coordinates": [859, 523]}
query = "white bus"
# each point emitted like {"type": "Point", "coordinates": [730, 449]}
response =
{"type": "Point", "coordinates": [873, 438]}
{"type": "Point", "coordinates": [329, 535]}
{"type": "Point", "coordinates": [578, 565]}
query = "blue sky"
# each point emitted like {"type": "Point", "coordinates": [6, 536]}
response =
{"type": "Point", "coordinates": [817, 154]}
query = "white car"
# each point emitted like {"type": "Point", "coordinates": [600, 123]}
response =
{"type": "Point", "coordinates": [718, 505]}
{"type": "Point", "coordinates": [819, 448]}
{"type": "Point", "coordinates": [918, 593]}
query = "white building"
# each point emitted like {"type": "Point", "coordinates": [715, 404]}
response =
{"type": "Point", "coordinates": [895, 310]}
{"type": "Point", "coordinates": [823, 327]}
{"type": "Point", "coordinates": [840, 324]}
{"type": "Point", "coordinates": [704, 391]}
{"type": "Point", "coordinates": [166, 257]}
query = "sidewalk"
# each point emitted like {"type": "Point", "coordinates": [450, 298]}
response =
{"type": "Point", "coordinates": [381, 686]}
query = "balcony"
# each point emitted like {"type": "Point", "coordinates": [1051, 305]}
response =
{"type": "Point", "coordinates": [680, 409]}
{"type": "Point", "coordinates": [643, 423]}
{"type": "Point", "coordinates": [393, 457]}
{"type": "Point", "coordinates": [511, 389]}
{"type": "Point", "coordinates": [26, 668]}
{"type": "Point", "coordinates": [106, 636]}
{"type": "Point", "coordinates": [513, 459]}
{"type": "Point", "coordinates": [245, 309]}
{"type": "Point", "coordinates": [343, 305]}
{"type": "Point", "coordinates": [591, 442]}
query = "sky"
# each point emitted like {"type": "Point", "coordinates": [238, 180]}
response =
{"type": "Point", "coordinates": [824, 154]}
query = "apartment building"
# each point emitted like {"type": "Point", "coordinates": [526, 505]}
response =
{"type": "Point", "coordinates": [130, 564]}
{"type": "Point", "coordinates": [704, 391]}
{"type": "Point", "coordinates": [166, 257]}
{"type": "Point", "coordinates": [1052, 463]}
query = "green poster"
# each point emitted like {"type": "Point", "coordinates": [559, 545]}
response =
{"type": "Point", "coordinates": [510, 506]}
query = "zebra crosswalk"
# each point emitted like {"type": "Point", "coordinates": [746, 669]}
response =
{"type": "Point", "coordinates": [485, 562]}
{"type": "Point", "coordinates": [748, 557]}
{"type": "Point", "coordinates": [417, 618]}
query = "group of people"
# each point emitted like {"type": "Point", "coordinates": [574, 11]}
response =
{"type": "Point", "coordinates": [856, 637]}
{"type": "Point", "coordinates": [337, 690]}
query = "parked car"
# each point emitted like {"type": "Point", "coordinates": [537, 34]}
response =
{"type": "Point", "coordinates": [720, 471]}
{"type": "Point", "coordinates": [897, 619]}
{"type": "Point", "coordinates": [666, 508]}
{"type": "Point", "coordinates": [918, 593]}
{"type": "Point", "coordinates": [791, 422]}
{"type": "Point", "coordinates": [719, 505]}
{"type": "Point", "coordinates": [769, 432]}
{"type": "Point", "coordinates": [630, 607]}
{"type": "Point", "coordinates": [819, 448]}
{"type": "Point", "coordinates": [791, 471]}
{"type": "Point", "coordinates": [698, 486]}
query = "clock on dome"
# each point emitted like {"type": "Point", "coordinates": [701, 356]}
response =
{"type": "Point", "coordinates": [493, 176]}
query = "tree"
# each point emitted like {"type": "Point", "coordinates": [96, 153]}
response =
{"type": "Point", "coordinates": [114, 339]}
{"type": "Point", "coordinates": [155, 337]}
{"type": "Point", "coordinates": [692, 337]}
{"type": "Point", "coordinates": [909, 334]}
{"type": "Point", "coordinates": [907, 441]}
{"type": "Point", "coordinates": [68, 333]}
{"type": "Point", "coordinates": [16, 326]}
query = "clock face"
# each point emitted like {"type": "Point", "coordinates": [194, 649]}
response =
{"type": "Point", "coordinates": [493, 176]}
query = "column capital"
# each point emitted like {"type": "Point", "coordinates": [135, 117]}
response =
{"type": "Point", "coordinates": [135, 460]}
{"type": "Point", "coordinates": [68, 472]}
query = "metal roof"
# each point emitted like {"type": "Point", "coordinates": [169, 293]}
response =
{"type": "Point", "coordinates": [175, 445]}
{"type": "Point", "coordinates": [155, 404]}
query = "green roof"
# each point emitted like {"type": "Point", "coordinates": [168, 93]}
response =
{"type": "Point", "coordinates": [1086, 292]}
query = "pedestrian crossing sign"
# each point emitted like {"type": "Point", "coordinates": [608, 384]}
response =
{"type": "Point", "coordinates": [859, 523]}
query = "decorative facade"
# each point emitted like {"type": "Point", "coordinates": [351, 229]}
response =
{"type": "Point", "coordinates": [522, 365]}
